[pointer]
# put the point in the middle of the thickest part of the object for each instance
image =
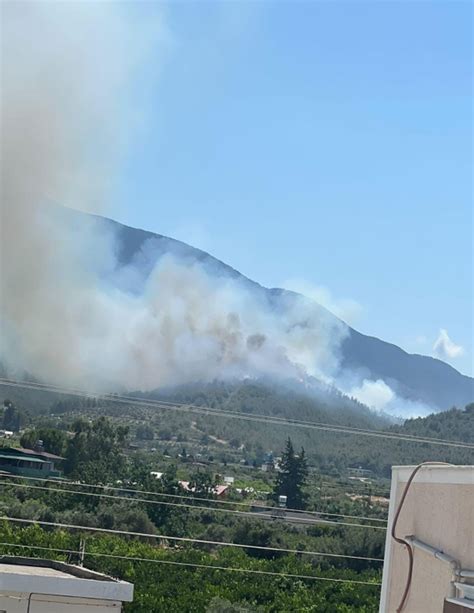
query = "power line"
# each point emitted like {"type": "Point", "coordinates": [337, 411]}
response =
{"type": "Point", "coordinates": [252, 514]}
{"type": "Point", "coordinates": [223, 412]}
{"type": "Point", "coordinates": [199, 498]}
{"type": "Point", "coordinates": [27, 598]}
{"type": "Point", "coordinates": [193, 565]}
{"type": "Point", "coordinates": [254, 417]}
{"type": "Point", "coordinates": [185, 539]}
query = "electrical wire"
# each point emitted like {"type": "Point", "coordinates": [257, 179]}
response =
{"type": "Point", "coordinates": [194, 565]}
{"type": "Point", "coordinates": [114, 397]}
{"type": "Point", "coordinates": [403, 541]}
{"type": "Point", "coordinates": [58, 602]}
{"type": "Point", "coordinates": [181, 496]}
{"type": "Point", "coordinates": [185, 539]}
{"type": "Point", "coordinates": [252, 514]}
{"type": "Point", "coordinates": [254, 417]}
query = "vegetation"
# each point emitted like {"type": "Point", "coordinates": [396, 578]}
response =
{"type": "Point", "coordinates": [291, 477]}
{"type": "Point", "coordinates": [111, 444]}
{"type": "Point", "coordinates": [250, 442]}
{"type": "Point", "coordinates": [12, 417]}
{"type": "Point", "coordinates": [160, 586]}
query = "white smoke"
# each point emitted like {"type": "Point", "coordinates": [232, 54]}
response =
{"type": "Point", "coordinates": [379, 396]}
{"type": "Point", "coordinates": [347, 309]}
{"type": "Point", "coordinates": [445, 348]}
{"type": "Point", "coordinates": [375, 394]}
{"type": "Point", "coordinates": [67, 69]}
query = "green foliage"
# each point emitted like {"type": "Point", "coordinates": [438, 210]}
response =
{"type": "Point", "coordinates": [145, 433]}
{"type": "Point", "coordinates": [220, 605]}
{"type": "Point", "coordinates": [13, 419]}
{"type": "Point", "coordinates": [292, 477]}
{"type": "Point", "coordinates": [94, 453]}
{"type": "Point", "coordinates": [170, 520]}
{"type": "Point", "coordinates": [202, 484]}
{"type": "Point", "coordinates": [179, 589]}
{"type": "Point", "coordinates": [54, 441]}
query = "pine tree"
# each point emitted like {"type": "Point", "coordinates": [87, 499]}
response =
{"type": "Point", "coordinates": [292, 477]}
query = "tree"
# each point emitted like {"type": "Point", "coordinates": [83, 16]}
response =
{"type": "Point", "coordinates": [221, 605]}
{"type": "Point", "coordinates": [145, 433]}
{"type": "Point", "coordinates": [54, 440]}
{"type": "Point", "coordinates": [292, 477]}
{"type": "Point", "coordinates": [169, 519]}
{"type": "Point", "coordinates": [202, 484]}
{"type": "Point", "coordinates": [94, 453]}
{"type": "Point", "coordinates": [12, 417]}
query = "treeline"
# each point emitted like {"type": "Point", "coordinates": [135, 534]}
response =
{"type": "Point", "coordinates": [455, 424]}
{"type": "Point", "coordinates": [330, 452]}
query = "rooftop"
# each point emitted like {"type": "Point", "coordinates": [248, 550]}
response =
{"type": "Point", "coordinates": [23, 575]}
{"type": "Point", "coordinates": [26, 453]}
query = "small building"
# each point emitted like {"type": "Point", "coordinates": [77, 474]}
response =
{"type": "Point", "coordinates": [358, 471]}
{"type": "Point", "coordinates": [28, 462]}
{"type": "Point", "coordinates": [436, 523]}
{"type": "Point", "coordinates": [267, 467]}
{"type": "Point", "coordinates": [218, 490]}
{"type": "Point", "coordinates": [46, 586]}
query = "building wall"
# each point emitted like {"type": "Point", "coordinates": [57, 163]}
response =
{"type": "Point", "coordinates": [18, 603]}
{"type": "Point", "coordinates": [439, 510]}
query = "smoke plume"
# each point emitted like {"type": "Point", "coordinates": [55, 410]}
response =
{"type": "Point", "coordinates": [67, 73]}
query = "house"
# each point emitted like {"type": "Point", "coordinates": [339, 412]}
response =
{"type": "Point", "coordinates": [28, 462]}
{"type": "Point", "coordinates": [46, 586]}
{"type": "Point", "coordinates": [218, 490]}
{"type": "Point", "coordinates": [436, 524]}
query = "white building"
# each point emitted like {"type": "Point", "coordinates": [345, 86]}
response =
{"type": "Point", "coordinates": [436, 520]}
{"type": "Point", "coordinates": [31, 585]}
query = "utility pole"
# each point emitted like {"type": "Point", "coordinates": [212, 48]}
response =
{"type": "Point", "coordinates": [82, 551]}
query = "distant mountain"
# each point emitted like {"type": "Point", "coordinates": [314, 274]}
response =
{"type": "Point", "coordinates": [414, 377]}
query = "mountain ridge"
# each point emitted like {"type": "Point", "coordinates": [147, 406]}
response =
{"type": "Point", "coordinates": [414, 377]}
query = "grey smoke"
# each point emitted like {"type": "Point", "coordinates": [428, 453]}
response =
{"type": "Point", "coordinates": [66, 71]}
{"type": "Point", "coordinates": [68, 315]}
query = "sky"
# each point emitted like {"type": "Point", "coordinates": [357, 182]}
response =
{"type": "Point", "coordinates": [321, 146]}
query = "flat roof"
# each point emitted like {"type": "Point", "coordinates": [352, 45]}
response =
{"type": "Point", "coordinates": [436, 473]}
{"type": "Point", "coordinates": [41, 571]}
{"type": "Point", "coordinates": [26, 575]}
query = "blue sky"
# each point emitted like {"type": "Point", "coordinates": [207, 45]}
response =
{"type": "Point", "coordinates": [320, 145]}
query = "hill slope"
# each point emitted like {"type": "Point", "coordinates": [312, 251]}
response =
{"type": "Point", "coordinates": [414, 377]}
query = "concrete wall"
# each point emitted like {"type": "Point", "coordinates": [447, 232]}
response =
{"type": "Point", "coordinates": [439, 510]}
{"type": "Point", "coordinates": [18, 603]}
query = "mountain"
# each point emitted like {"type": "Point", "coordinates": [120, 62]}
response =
{"type": "Point", "coordinates": [413, 377]}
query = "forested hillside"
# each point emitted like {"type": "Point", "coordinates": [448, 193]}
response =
{"type": "Point", "coordinates": [412, 376]}
{"type": "Point", "coordinates": [250, 441]}
{"type": "Point", "coordinates": [455, 424]}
